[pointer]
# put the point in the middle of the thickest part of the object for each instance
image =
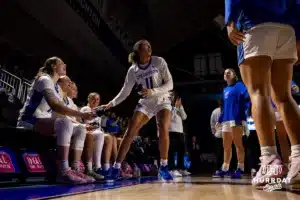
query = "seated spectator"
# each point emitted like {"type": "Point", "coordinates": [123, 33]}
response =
{"type": "Point", "coordinates": [95, 142]}
{"type": "Point", "coordinates": [44, 99]}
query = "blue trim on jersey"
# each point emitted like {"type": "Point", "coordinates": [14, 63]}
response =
{"type": "Point", "coordinates": [249, 13]}
{"type": "Point", "coordinates": [240, 54]}
{"type": "Point", "coordinates": [146, 66]}
{"type": "Point", "coordinates": [34, 102]}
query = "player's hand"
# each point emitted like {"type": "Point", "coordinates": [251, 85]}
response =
{"type": "Point", "coordinates": [295, 89]}
{"type": "Point", "coordinates": [218, 126]}
{"type": "Point", "coordinates": [106, 106]}
{"type": "Point", "coordinates": [178, 103]}
{"type": "Point", "coordinates": [236, 37]}
{"type": "Point", "coordinates": [146, 92]}
{"type": "Point", "coordinates": [88, 115]}
{"type": "Point", "coordinates": [90, 127]}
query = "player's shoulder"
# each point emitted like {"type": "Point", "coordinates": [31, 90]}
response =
{"type": "Point", "coordinates": [157, 60]}
{"type": "Point", "coordinates": [44, 78]}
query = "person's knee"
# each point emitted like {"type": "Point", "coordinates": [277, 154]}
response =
{"type": "Point", "coordinates": [64, 129]}
{"type": "Point", "coordinates": [108, 140]}
{"type": "Point", "coordinates": [79, 137]}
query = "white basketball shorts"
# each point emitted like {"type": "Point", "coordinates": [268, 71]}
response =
{"type": "Point", "coordinates": [269, 39]}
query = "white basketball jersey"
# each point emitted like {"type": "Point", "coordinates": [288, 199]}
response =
{"type": "Point", "coordinates": [154, 75]}
{"type": "Point", "coordinates": [36, 105]}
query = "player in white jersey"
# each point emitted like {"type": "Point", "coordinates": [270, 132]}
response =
{"type": "Point", "coordinates": [152, 75]}
{"type": "Point", "coordinates": [44, 98]}
{"type": "Point", "coordinates": [79, 131]}
{"type": "Point", "coordinates": [96, 137]}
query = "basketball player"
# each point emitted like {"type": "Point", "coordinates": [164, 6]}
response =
{"type": "Point", "coordinates": [263, 31]}
{"type": "Point", "coordinates": [78, 128]}
{"type": "Point", "coordinates": [44, 98]}
{"type": "Point", "coordinates": [281, 131]}
{"type": "Point", "coordinates": [152, 74]}
{"type": "Point", "coordinates": [233, 121]}
{"type": "Point", "coordinates": [97, 136]}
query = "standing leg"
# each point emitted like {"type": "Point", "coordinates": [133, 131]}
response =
{"type": "Point", "coordinates": [163, 122]}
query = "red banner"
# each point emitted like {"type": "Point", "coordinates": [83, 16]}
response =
{"type": "Point", "coordinates": [33, 163]}
{"type": "Point", "coordinates": [6, 165]}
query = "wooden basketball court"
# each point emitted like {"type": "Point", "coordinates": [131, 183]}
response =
{"type": "Point", "coordinates": [190, 188]}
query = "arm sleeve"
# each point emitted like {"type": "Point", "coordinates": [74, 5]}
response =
{"type": "Point", "coordinates": [85, 109]}
{"type": "Point", "coordinates": [232, 10]}
{"type": "Point", "coordinates": [167, 77]}
{"type": "Point", "coordinates": [182, 113]}
{"type": "Point", "coordinates": [126, 89]}
{"type": "Point", "coordinates": [213, 122]}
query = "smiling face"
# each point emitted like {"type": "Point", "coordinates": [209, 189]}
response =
{"type": "Point", "coordinates": [60, 68]}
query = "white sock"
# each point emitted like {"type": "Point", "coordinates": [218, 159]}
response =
{"type": "Point", "coordinates": [163, 162]}
{"type": "Point", "coordinates": [225, 167]}
{"type": "Point", "coordinates": [99, 141]}
{"type": "Point", "coordinates": [89, 165]}
{"type": "Point", "coordinates": [106, 166]}
{"type": "Point", "coordinates": [295, 151]}
{"type": "Point", "coordinates": [117, 165]}
{"type": "Point", "coordinates": [241, 166]}
{"type": "Point", "coordinates": [76, 165]}
{"type": "Point", "coordinates": [268, 151]}
{"type": "Point", "coordinates": [64, 165]}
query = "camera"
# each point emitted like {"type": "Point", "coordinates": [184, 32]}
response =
{"type": "Point", "coordinates": [100, 112]}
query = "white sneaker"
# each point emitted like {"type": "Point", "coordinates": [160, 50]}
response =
{"type": "Point", "coordinates": [293, 177]}
{"type": "Point", "coordinates": [176, 173]}
{"type": "Point", "coordinates": [185, 173]}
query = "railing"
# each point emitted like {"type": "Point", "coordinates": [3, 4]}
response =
{"type": "Point", "coordinates": [7, 87]}
{"type": "Point", "coordinates": [11, 81]}
{"type": "Point", "coordinates": [24, 92]}
{"type": "Point", "coordinates": [14, 84]}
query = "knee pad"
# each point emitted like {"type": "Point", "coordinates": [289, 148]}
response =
{"type": "Point", "coordinates": [79, 134]}
{"type": "Point", "coordinates": [63, 128]}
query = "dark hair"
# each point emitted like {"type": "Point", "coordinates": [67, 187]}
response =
{"type": "Point", "coordinates": [47, 68]}
{"type": "Point", "coordinates": [134, 56]}
{"type": "Point", "coordinates": [236, 78]}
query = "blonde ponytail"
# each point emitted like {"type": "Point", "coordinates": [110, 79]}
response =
{"type": "Point", "coordinates": [132, 58]}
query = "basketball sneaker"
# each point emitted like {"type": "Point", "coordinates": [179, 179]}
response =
{"type": "Point", "coordinates": [221, 174]}
{"type": "Point", "coordinates": [88, 179]}
{"type": "Point", "coordinates": [293, 177]}
{"type": "Point", "coordinates": [97, 177]}
{"type": "Point", "coordinates": [164, 173]}
{"type": "Point", "coordinates": [271, 167]}
{"type": "Point", "coordinates": [237, 174]}
{"type": "Point", "coordinates": [69, 176]}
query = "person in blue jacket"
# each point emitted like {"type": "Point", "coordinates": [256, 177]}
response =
{"type": "Point", "coordinates": [264, 33]}
{"type": "Point", "coordinates": [232, 122]}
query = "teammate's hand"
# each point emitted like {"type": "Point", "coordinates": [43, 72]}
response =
{"type": "Point", "coordinates": [90, 127]}
{"type": "Point", "coordinates": [88, 115]}
{"type": "Point", "coordinates": [146, 92]}
{"type": "Point", "coordinates": [218, 126]}
{"type": "Point", "coordinates": [295, 88]}
{"type": "Point", "coordinates": [106, 106]}
{"type": "Point", "coordinates": [178, 103]}
{"type": "Point", "coordinates": [236, 37]}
